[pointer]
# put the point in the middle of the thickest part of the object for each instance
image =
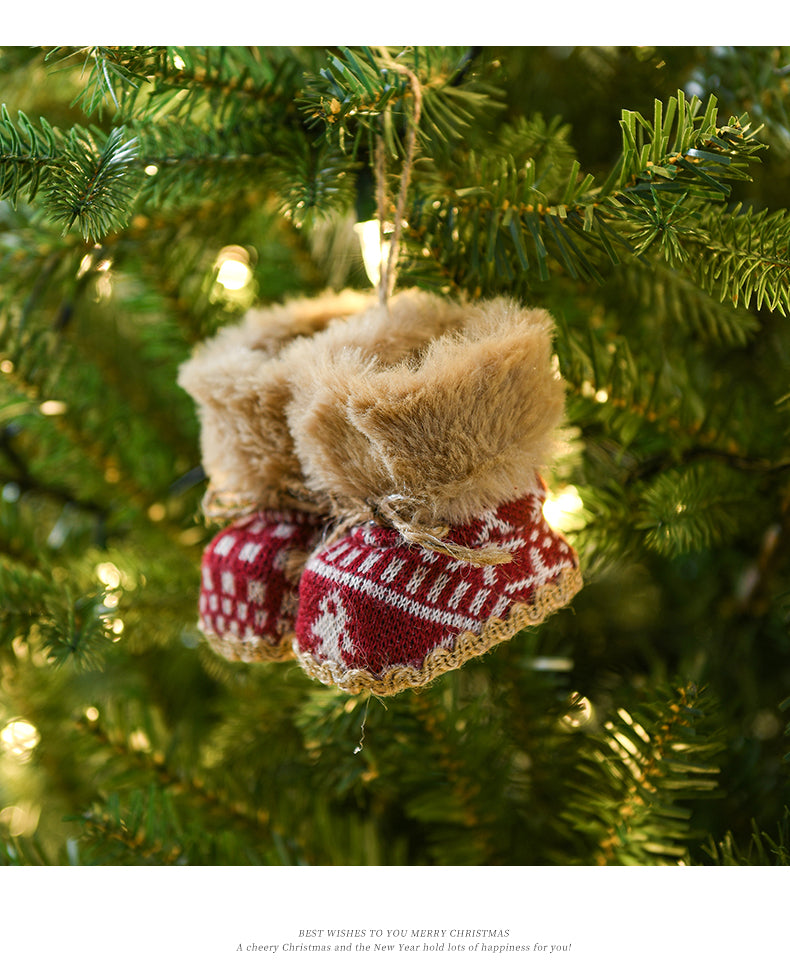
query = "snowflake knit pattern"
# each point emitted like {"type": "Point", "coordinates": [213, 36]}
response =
{"type": "Point", "coordinates": [249, 587]}
{"type": "Point", "coordinates": [378, 614]}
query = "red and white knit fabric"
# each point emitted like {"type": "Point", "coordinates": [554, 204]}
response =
{"type": "Point", "coordinates": [248, 592]}
{"type": "Point", "coordinates": [378, 614]}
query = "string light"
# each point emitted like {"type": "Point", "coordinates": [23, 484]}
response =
{"type": "Point", "coordinates": [563, 510]}
{"type": "Point", "coordinates": [53, 407]}
{"type": "Point", "coordinates": [19, 738]}
{"type": "Point", "coordinates": [375, 251]}
{"type": "Point", "coordinates": [139, 741]}
{"type": "Point", "coordinates": [20, 820]}
{"type": "Point", "coordinates": [581, 713]}
{"type": "Point", "coordinates": [233, 268]}
{"type": "Point", "coordinates": [108, 574]}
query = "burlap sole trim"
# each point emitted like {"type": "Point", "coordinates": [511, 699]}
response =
{"type": "Point", "coordinates": [253, 651]}
{"type": "Point", "coordinates": [440, 660]}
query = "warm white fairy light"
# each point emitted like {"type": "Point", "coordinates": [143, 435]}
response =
{"type": "Point", "coordinates": [599, 395]}
{"type": "Point", "coordinates": [108, 574]}
{"type": "Point", "coordinates": [558, 664]}
{"type": "Point", "coordinates": [139, 741]}
{"type": "Point", "coordinates": [233, 268]}
{"type": "Point", "coordinates": [581, 713]}
{"type": "Point", "coordinates": [11, 492]}
{"type": "Point", "coordinates": [53, 407]}
{"type": "Point", "coordinates": [563, 509]}
{"type": "Point", "coordinates": [20, 820]}
{"type": "Point", "coordinates": [375, 251]}
{"type": "Point", "coordinates": [18, 739]}
{"type": "Point", "coordinates": [85, 265]}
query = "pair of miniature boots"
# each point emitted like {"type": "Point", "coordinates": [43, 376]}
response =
{"type": "Point", "coordinates": [395, 527]}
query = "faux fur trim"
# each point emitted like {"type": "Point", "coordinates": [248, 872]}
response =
{"type": "Point", "coordinates": [457, 430]}
{"type": "Point", "coordinates": [240, 384]}
{"type": "Point", "coordinates": [334, 453]}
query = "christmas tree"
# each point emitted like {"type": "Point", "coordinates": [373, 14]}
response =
{"type": "Point", "coordinates": [150, 196]}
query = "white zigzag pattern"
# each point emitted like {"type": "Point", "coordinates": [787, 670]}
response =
{"type": "Point", "coordinates": [432, 614]}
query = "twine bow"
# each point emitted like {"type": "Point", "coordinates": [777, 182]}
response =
{"type": "Point", "coordinates": [394, 511]}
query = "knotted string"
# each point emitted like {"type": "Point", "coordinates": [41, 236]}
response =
{"type": "Point", "coordinates": [393, 512]}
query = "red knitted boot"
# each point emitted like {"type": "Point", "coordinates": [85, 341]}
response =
{"type": "Point", "coordinates": [241, 380]}
{"type": "Point", "coordinates": [378, 613]}
{"type": "Point", "coordinates": [250, 571]}
{"type": "Point", "coordinates": [441, 550]}
{"type": "Point", "coordinates": [250, 574]}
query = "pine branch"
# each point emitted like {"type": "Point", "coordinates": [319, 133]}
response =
{"type": "Point", "coordinates": [743, 256]}
{"type": "Point", "coordinates": [496, 226]}
{"type": "Point", "coordinates": [69, 627]}
{"type": "Point", "coordinates": [654, 758]}
{"type": "Point", "coordinates": [144, 83]}
{"type": "Point", "coordinates": [672, 302]}
{"type": "Point", "coordinates": [94, 184]}
{"type": "Point", "coordinates": [763, 849]}
{"type": "Point", "coordinates": [87, 177]}
{"type": "Point", "coordinates": [754, 77]}
{"type": "Point", "coordinates": [689, 509]}
{"type": "Point", "coordinates": [362, 89]}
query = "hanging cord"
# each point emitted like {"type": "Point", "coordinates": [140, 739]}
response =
{"type": "Point", "coordinates": [388, 267]}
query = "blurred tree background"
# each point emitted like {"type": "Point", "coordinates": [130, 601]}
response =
{"type": "Point", "coordinates": [149, 196]}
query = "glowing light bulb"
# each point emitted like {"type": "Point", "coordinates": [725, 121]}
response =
{"type": "Point", "coordinates": [563, 510]}
{"type": "Point", "coordinates": [19, 738]}
{"type": "Point", "coordinates": [581, 713]}
{"type": "Point", "coordinates": [375, 252]}
{"type": "Point", "coordinates": [108, 574]}
{"type": "Point", "coordinates": [233, 265]}
{"type": "Point", "coordinates": [139, 741]}
{"type": "Point", "coordinates": [53, 407]}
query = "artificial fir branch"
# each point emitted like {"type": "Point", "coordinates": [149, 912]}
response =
{"type": "Point", "coordinates": [653, 763]}
{"type": "Point", "coordinates": [499, 224]}
{"type": "Point", "coordinates": [763, 849]}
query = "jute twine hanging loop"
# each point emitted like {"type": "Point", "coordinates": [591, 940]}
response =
{"type": "Point", "coordinates": [389, 260]}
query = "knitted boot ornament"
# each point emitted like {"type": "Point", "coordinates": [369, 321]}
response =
{"type": "Point", "coordinates": [241, 381]}
{"type": "Point", "coordinates": [440, 549]}
{"type": "Point", "coordinates": [250, 570]}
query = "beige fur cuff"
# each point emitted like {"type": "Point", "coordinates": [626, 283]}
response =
{"type": "Point", "coordinates": [240, 385]}
{"type": "Point", "coordinates": [456, 429]}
